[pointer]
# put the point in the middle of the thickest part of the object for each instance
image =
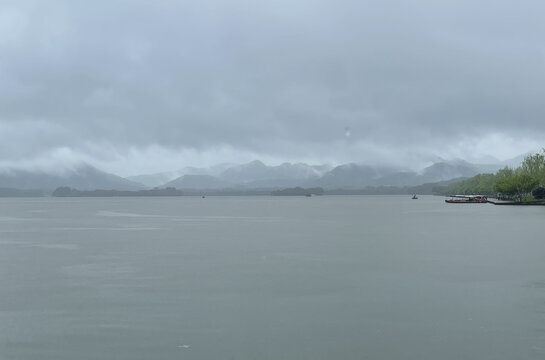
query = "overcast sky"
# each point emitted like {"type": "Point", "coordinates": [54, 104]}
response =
{"type": "Point", "coordinates": [145, 86]}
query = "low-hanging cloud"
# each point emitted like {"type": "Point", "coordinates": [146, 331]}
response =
{"type": "Point", "coordinates": [281, 80]}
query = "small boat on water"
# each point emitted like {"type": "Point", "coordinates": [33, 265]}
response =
{"type": "Point", "coordinates": [467, 199]}
{"type": "Point", "coordinates": [414, 197]}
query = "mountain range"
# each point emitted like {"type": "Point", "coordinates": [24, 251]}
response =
{"type": "Point", "coordinates": [252, 175]}
{"type": "Point", "coordinates": [256, 175]}
{"type": "Point", "coordinates": [82, 177]}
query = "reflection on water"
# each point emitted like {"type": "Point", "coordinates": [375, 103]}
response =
{"type": "Point", "coordinates": [270, 278]}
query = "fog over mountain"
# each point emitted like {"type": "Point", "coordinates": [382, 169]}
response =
{"type": "Point", "coordinates": [157, 179]}
{"type": "Point", "coordinates": [249, 176]}
{"type": "Point", "coordinates": [257, 175]}
{"type": "Point", "coordinates": [144, 87]}
{"type": "Point", "coordinates": [83, 177]}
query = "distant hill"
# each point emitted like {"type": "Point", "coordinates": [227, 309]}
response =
{"type": "Point", "coordinates": [83, 177]}
{"type": "Point", "coordinates": [198, 182]}
{"type": "Point", "coordinates": [353, 176]}
{"type": "Point", "coordinates": [256, 172]}
{"type": "Point", "coordinates": [153, 180]}
{"type": "Point", "coordinates": [516, 161]}
{"type": "Point", "coordinates": [254, 175]}
{"type": "Point", "coordinates": [257, 175]}
{"type": "Point", "coordinates": [448, 170]}
{"type": "Point", "coordinates": [401, 178]}
{"type": "Point", "coordinates": [162, 178]}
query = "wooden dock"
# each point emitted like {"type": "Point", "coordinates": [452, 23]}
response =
{"type": "Point", "coordinates": [504, 202]}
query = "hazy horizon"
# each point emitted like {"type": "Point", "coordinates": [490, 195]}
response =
{"type": "Point", "coordinates": [68, 167]}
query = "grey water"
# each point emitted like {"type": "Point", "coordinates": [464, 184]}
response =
{"type": "Point", "coordinates": [332, 277]}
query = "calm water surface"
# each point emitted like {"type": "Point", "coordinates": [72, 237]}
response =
{"type": "Point", "coordinates": [367, 277]}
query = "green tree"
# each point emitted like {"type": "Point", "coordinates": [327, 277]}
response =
{"type": "Point", "coordinates": [505, 186]}
{"type": "Point", "coordinates": [482, 184]}
{"type": "Point", "coordinates": [526, 183]}
{"type": "Point", "coordinates": [504, 173]}
{"type": "Point", "coordinates": [516, 185]}
{"type": "Point", "coordinates": [534, 165]}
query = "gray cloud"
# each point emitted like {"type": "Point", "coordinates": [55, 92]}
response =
{"type": "Point", "coordinates": [277, 80]}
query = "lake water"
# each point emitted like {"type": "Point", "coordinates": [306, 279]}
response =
{"type": "Point", "coordinates": [332, 277]}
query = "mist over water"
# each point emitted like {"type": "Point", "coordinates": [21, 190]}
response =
{"type": "Point", "coordinates": [369, 277]}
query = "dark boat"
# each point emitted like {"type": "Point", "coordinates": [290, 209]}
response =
{"type": "Point", "coordinates": [467, 199]}
{"type": "Point", "coordinates": [414, 197]}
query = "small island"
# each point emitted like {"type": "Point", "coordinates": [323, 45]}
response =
{"type": "Point", "coordinates": [65, 191]}
{"type": "Point", "coordinates": [11, 192]}
{"type": "Point", "coordinates": [298, 191]}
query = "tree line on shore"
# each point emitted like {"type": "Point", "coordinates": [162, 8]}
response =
{"type": "Point", "coordinates": [65, 191]}
{"type": "Point", "coordinates": [298, 191]}
{"type": "Point", "coordinates": [526, 182]}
